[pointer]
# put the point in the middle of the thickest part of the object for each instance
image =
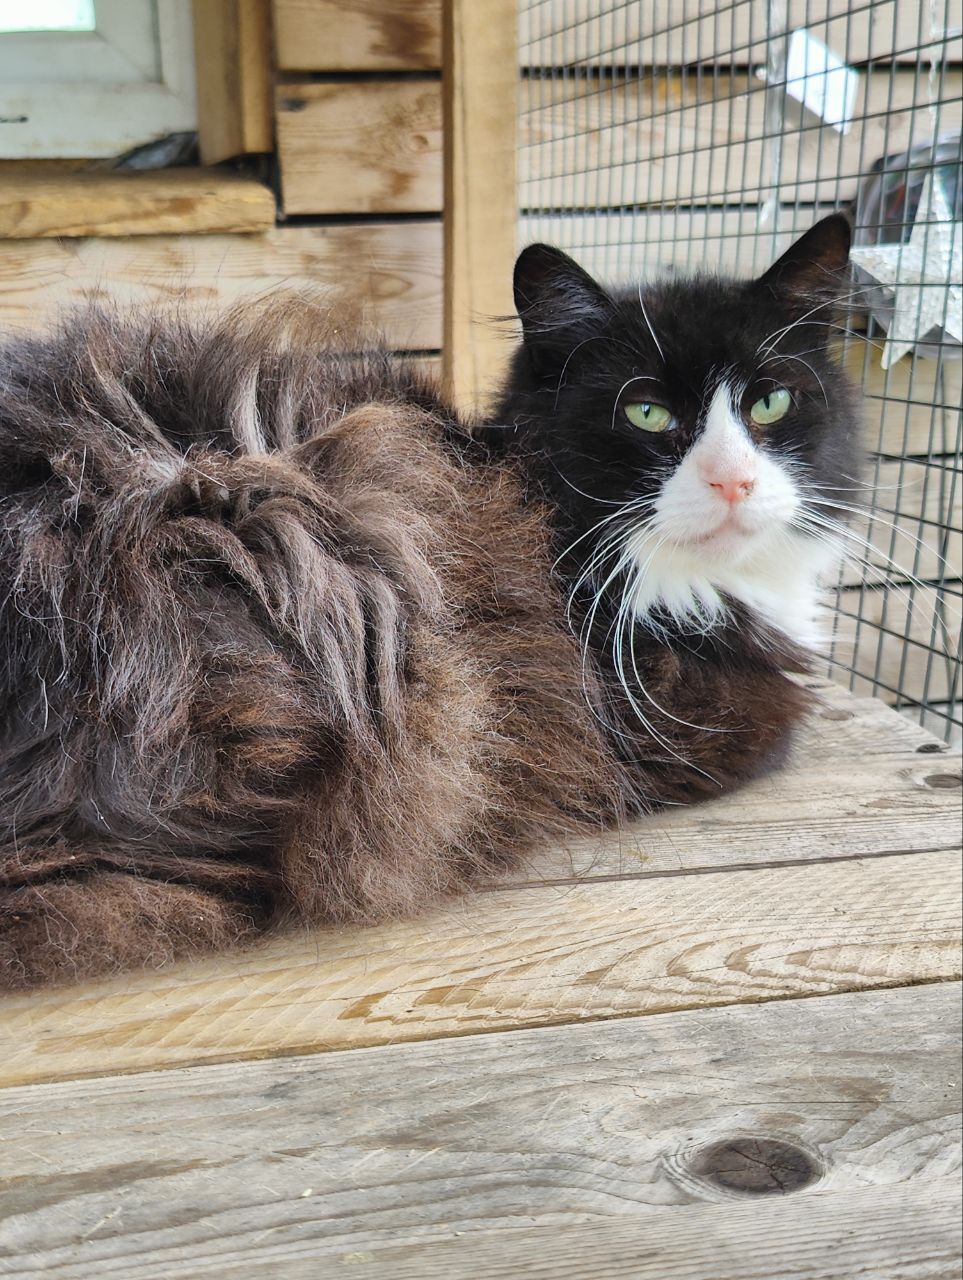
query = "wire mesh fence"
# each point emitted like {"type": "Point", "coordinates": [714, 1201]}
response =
{"type": "Point", "coordinates": [667, 136]}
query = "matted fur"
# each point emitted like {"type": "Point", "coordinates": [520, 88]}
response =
{"type": "Point", "coordinates": [261, 659]}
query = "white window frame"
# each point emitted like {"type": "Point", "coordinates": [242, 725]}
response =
{"type": "Point", "coordinates": [76, 94]}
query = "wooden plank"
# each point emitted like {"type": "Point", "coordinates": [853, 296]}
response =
{"type": "Point", "coordinates": [914, 531]}
{"type": "Point", "coordinates": [438, 1159]}
{"type": "Point", "coordinates": [172, 201]}
{"type": "Point", "coordinates": [388, 275]}
{"type": "Point", "coordinates": [841, 807]}
{"type": "Point", "coordinates": [623, 248]}
{"type": "Point", "coordinates": [851, 726]}
{"type": "Point", "coordinates": [911, 409]}
{"type": "Point", "coordinates": [480, 201]}
{"type": "Point", "coordinates": [908, 1232]}
{"type": "Point", "coordinates": [901, 638]}
{"type": "Point", "coordinates": [360, 147]}
{"type": "Point", "coordinates": [403, 35]}
{"type": "Point", "coordinates": [564, 32]}
{"type": "Point", "coordinates": [232, 55]}
{"type": "Point", "coordinates": [501, 960]}
{"type": "Point", "coordinates": [357, 35]}
{"type": "Point", "coordinates": [703, 139]}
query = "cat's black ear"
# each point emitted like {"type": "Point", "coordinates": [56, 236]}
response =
{"type": "Point", "coordinates": [559, 303]}
{"type": "Point", "coordinates": [814, 269]}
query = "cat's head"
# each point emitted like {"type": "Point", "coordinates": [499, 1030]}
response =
{"type": "Point", "coordinates": [696, 433]}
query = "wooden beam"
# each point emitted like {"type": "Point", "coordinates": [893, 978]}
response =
{"type": "Point", "coordinates": [357, 35]}
{"type": "Point", "coordinates": [36, 204]}
{"type": "Point", "coordinates": [480, 105]}
{"type": "Point", "coordinates": [387, 275]}
{"type": "Point", "coordinates": [232, 52]}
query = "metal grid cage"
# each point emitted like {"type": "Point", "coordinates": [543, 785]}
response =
{"type": "Point", "coordinates": [661, 136]}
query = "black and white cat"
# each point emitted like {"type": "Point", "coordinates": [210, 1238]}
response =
{"type": "Point", "coordinates": [699, 437]}
{"type": "Point", "coordinates": [283, 640]}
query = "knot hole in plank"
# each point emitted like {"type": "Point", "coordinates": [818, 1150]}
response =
{"type": "Point", "coordinates": [756, 1166]}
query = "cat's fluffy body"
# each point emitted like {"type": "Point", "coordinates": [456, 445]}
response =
{"type": "Point", "coordinates": [281, 641]}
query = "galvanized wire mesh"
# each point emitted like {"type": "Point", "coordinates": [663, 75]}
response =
{"type": "Point", "coordinates": [659, 136]}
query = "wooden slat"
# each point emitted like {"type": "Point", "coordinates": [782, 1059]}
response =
{"type": "Point", "coordinates": [173, 201]}
{"type": "Point", "coordinates": [232, 54]}
{"type": "Point", "coordinates": [908, 1232]}
{"type": "Point", "coordinates": [912, 408]}
{"type": "Point", "coordinates": [480, 201]}
{"type": "Point", "coordinates": [386, 274]}
{"type": "Point", "coordinates": [392, 35]}
{"type": "Point", "coordinates": [673, 137]}
{"type": "Point", "coordinates": [660, 33]}
{"type": "Point", "coordinates": [892, 643]}
{"type": "Point", "coordinates": [624, 248]}
{"type": "Point", "coordinates": [360, 147]}
{"type": "Point", "coordinates": [506, 959]}
{"type": "Point", "coordinates": [841, 807]}
{"type": "Point", "coordinates": [915, 529]}
{"type": "Point", "coordinates": [509, 1155]}
{"type": "Point", "coordinates": [357, 35]}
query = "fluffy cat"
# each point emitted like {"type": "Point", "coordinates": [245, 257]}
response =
{"type": "Point", "coordinates": [284, 641]}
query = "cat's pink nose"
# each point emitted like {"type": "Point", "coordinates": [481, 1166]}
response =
{"type": "Point", "coordinates": [733, 490]}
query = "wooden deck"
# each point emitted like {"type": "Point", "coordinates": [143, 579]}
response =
{"type": "Point", "coordinates": [725, 1047]}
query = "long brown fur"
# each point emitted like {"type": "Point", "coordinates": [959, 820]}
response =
{"type": "Point", "coordinates": [275, 646]}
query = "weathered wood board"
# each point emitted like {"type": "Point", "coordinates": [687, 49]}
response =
{"type": "Point", "coordinates": [360, 147]}
{"type": "Point", "coordinates": [387, 274]}
{"type": "Point", "coordinates": [624, 248]}
{"type": "Point", "coordinates": [916, 529]}
{"type": "Point", "coordinates": [512, 958]}
{"type": "Point", "coordinates": [357, 35]}
{"type": "Point", "coordinates": [663, 33]}
{"type": "Point", "coordinates": [911, 409]}
{"type": "Point", "coordinates": [173, 201]}
{"type": "Point", "coordinates": [835, 1126]}
{"type": "Point", "coordinates": [405, 35]}
{"type": "Point", "coordinates": [904, 637]}
{"type": "Point", "coordinates": [668, 137]}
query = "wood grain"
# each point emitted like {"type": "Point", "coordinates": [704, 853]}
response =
{"type": "Point", "coordinates": [502, 960]}
{"type": "Point", "coordinates": [911, 409]}
{"type": "Point", "coordinates": [400, 35]}
{"type": "Point", "coordinates": [836, 808]}
{"type": "Point", "coordinates": [914, 529]}
{"type": "Point", "coordinates": [661, 138]}
{"type": "Point", "coordinates": [232, 55]}
{"type": "Point", "coordinates": [437, 1159]}
{"type": "Point", "coordinates": [173, 201]}
{"type": "Point", "coordinates": [357, 35]}
{"type": "Point", "coordinates": [659, 33]}
{"type": "Point", "coordinates": [360, 147]}
{"type": "Point", "coordinates": [388, 275]}
{"type": "Point", "coordinates": [624, 248]}
{"type": "Point", "coordinates": [481, 207]}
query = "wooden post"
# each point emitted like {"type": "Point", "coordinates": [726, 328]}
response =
{"type": "Point", "coordinates": [232, 52]}
{"type": "Point", "coordinates": [480, 76]}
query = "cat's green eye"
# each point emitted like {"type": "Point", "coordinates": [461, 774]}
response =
{"type": "Point", "coordinates": [647, 416]}
{"type": "Point", "coordinates": [771, 407]}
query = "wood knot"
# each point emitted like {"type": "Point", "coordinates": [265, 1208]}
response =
{"type": "Point", "coordinates": [835, 713]}
{"type": "Point", "coordinates": [944, 781]}
{"type": "Point", "coordinates": [756, 1166]}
